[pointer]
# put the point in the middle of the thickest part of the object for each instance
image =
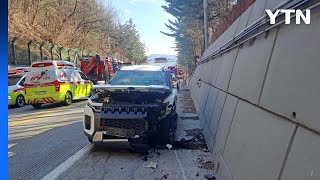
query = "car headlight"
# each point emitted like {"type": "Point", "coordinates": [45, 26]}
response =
{"type": "Point", "coordinates": [94, 106]}
{"type": "Point", "coordinates": [167, 109]}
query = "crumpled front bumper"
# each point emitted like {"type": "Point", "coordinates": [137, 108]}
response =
{"type": "Point", "coordinates": [118, 134]}
{"type": "Point", "coordinates": [98, 125]}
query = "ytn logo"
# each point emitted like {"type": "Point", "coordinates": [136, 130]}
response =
{"type": "Point", "coordinates": [287, 13]}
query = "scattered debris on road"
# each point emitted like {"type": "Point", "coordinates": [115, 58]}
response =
{"type": "Point", "coordinates": [164, 176]}
{"type": "Point", "coordinates": [145, 158]}
{"type": "Point", "coordinates": [205, 150]}
{"type": "Point", "coordinates": [207, 165]}
{"type": "Point", "coordinates": [169, 146]}
{"type": "Point", "coordinates": [152, 165]}
{"type": "Point", "coordinates": [210, 176]}
{"type": "Point", "coordinates": [197, 142]}
{"type": "Point", "coordinates": [193, 132]}
{"type": "Point", "coordinates": [157, 152]}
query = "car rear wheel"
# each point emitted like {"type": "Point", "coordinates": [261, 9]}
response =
{"type": "Point", "coordinates": [68, 99]}
{"type": "Point", "coordinates": [37, 105]}
{"type": "Point", "coordinates": [20, 101]}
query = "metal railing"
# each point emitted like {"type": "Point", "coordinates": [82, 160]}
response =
{"type": "Point", "coordinates": [25, 52]}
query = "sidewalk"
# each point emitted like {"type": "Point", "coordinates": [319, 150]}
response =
{"type": "Point", "coordinates": [185, 161]}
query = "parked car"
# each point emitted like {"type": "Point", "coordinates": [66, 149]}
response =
{"type": "Point", "coordinates": [16, 95]}
{"type": "Point", "coordinates": [55, 81]}
{"type": "Point", "coordinates": [138, 104]}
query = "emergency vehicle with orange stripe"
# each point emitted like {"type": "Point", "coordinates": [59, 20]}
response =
{"type": "Point", "coordinates": [55, 81]}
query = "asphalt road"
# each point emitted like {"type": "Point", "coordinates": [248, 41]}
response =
{"type": "Point", "coordinates": [117, 161]}
{"type": "Point", "coordinates": [42, 140]}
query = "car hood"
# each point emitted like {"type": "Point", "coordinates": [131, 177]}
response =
{"type": "Point", "coordinates": [130, 87]}
{"type": "Point", "coordinates": [13, 87]}
{"type": "Point", "coordinates": [130, 93]}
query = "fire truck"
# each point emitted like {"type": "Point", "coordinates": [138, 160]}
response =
{"type": "Point", "coordinates": [96, 69]}
{"type": "Point", "coordinates": [180, 73]}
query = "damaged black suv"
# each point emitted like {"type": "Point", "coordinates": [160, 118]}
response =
{"type": "Point", "coordinates": [138, 104]}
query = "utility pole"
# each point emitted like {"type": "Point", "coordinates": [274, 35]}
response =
{"type": "Point", "coordinates": [205, 22]}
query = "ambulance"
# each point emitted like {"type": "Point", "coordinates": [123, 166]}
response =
{"type": "Point", "coordinates": [16, 89]}
{"type": "Point", "coordinates": [55, 81]}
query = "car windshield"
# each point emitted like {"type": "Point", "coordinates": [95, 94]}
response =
{"type": "Point", "coordinates": [139, 78]}
{"type": "Point", "coordinates": [13, 80]}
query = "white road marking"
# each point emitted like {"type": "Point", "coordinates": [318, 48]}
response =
{"type": "Point", "coordinates": [68, 163]}
{"type": "Point", "coordinates": [181, 168]}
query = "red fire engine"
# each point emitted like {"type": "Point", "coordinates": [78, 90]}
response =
{"type": "Point", "coordinates": [94, 68]}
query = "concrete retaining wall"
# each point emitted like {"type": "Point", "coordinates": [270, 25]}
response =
{"type": "Point", "coordinates": [259, 102]}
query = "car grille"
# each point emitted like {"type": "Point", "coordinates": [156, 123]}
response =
{"type": "Point", "coordinates": [131, 124]}
{"type": "Point", "coordinates": [129, 108]}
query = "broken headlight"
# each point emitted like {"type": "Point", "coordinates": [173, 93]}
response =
{"type": "Point", "coordinates": [94, 106]}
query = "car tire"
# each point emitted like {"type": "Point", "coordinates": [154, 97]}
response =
{"type": "Point", "coordinates": [37, 106]}
{"type": "Point", "coordinates": [20, 102]}
{"type": "Point", "coordinates": [67, 99]}
{"type": "Point", "coordinates": [167, 129]}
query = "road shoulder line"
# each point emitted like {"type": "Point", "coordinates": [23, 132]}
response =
{"type": "Point", "coordinates": [181, 168]}
{"type": "Point", "coordinates": [68, 163]}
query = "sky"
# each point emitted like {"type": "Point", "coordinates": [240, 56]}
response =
{"type": "Point", "coordinates": [149, 17]}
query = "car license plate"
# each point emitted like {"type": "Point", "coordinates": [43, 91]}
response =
{"type": "Point", "coordinates": [40, 92]}
{"type": "Point", "coordinates": [120, 132]}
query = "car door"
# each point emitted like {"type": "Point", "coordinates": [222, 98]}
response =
{"type": "Point", "coordinates": [85, 82]}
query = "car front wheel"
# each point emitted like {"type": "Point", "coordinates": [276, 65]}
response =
{"type": "Point", "coordinates": [167, 129]}
{"type": "Point", "coordinates": [20, 101]}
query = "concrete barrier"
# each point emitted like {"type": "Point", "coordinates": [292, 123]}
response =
{"type": "Point", "coordinates": [208, 110]}
{"type": "Point", "coordinates": [292, 86]}
{"type": "Point", "coordinates": [215, 70]}
{"type": "Point", "coordinates": [250, 70]}
{"type": "Point", "coordinates": [226, 121]}
{"type": "Point", "coordinates": [204, 96]}
{"type": "Point", "coordinates": [257, 143]}
{"type": "Point", "coordinates": [217, 110]}
{"type": "Point", "coordinates": [258, 103]}
{"type": "Point", "coordinates": [303, 159]}
{"type": "Point", "coordinates": [221, 167]}
{"type": "Point", "coordinates": [225, 69]}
